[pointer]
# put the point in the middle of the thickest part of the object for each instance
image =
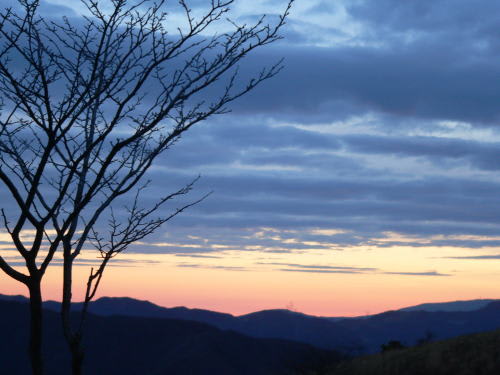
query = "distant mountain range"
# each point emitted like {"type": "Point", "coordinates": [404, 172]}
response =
{"type": "Point", "coordinates": [471, 305]}
{"type": "Point", "coordinates": [125, 345]}
{"type": "Point", "coordinates": [348, 335]}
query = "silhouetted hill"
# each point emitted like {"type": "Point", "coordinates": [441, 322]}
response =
{"type": "Point", "coordinates": [477, 354]}
{"type": "Point", "coordinates": [352, 336]}
{"type": "Point", "coordinates": [17, 298]}
{"type": "Point", "coordinates": [453, 306]}
{"type": "Point", "coordinates": [471, 305]}
{"type": "Point", "coordinates": [153, 346]}
{"type": "Point", "coordinates": [409, 327]}
{"type": "Point", "coordinates": [296, 326]}
{"type": "Point", "coordinates": [280, 324]}
{"type": "Point", "coordinates": [107, 306]}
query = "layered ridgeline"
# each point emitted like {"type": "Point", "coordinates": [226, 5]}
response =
{"type": "Point", "coordinates": [352, 336]}
{"type": "Point", "coordinates": [125, 345]}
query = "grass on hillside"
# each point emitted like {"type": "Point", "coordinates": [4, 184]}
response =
{"type": "Point", "coordinates": [477, 354]}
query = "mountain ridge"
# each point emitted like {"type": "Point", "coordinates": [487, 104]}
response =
{"type": "Point", "coordinates": [351, 336]}
{"type": "Point", "coordinates": [449, 306]}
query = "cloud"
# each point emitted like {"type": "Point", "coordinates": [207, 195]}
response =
{"type": "Point", "coordinates": [317, 271]}
{"type": "Point", "coordinates": [45, 8]}
{"type": "Point", "coordinates": [205, 266]}
{"type": "Point", "coordinates": [429, 273]}
{"type": "Point", "coordinates": [346, 270]}
{"type": "Point", "coordinates": [360, 135]}
{"type": "Point", "coordinates": [198, 256]}
{"type": "Point", "coordinates": [427, 60]}
{"type": "Point", "coordinates": [476, 257]}
{"type": "Point", "coordinates": [427, 15]}
{"type": "Point", "coordinates": [422, 81]}
{"type": "Point", "coordinates": [321, 267]}
{"type": "Point", "coordinates": [481, 155]}
{"type": "Point", "coordinates": [84, 262]}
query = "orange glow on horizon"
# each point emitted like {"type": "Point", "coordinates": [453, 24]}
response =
{"type": "Point", "coordinates": [241, 282]}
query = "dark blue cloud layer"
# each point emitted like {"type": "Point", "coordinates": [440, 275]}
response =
{"type": "Point", "coordinates": [412, 66]}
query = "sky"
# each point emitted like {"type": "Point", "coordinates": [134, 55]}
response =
{"type": "Point", "coordinates": [362, 178]}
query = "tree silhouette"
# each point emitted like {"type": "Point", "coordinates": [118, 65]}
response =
{"type": "Point", "coordinates": [86, 107]}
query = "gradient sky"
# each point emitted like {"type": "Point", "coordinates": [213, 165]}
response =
{"type": "Point", "coordinates": [364, 177]}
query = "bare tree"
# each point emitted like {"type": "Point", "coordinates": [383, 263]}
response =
{"type": "Point", "coordinates": [86, 106]}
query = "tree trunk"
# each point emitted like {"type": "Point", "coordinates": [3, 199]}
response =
{"type": "Point", "coordinates": [73, 338]}
{"type": "Point", "coordinates": [76, 356]}
{"type": "Point", "coordinates": [36, 312]}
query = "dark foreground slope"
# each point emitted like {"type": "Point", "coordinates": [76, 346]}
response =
{"type": "Point", "coordinates": [477, 354]}
{"type": "Point", "coordinates": [151, 346]}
